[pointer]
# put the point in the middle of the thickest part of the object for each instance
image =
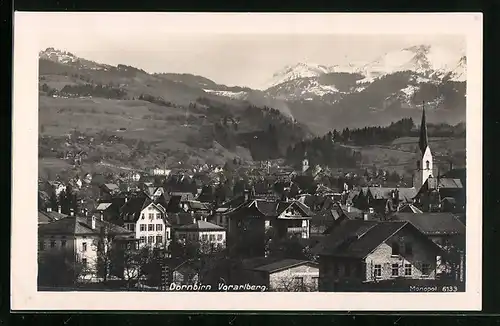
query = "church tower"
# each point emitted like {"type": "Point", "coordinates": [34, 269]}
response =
{"type": "Point", "coordinates": [305, 163]}
{"type": "Point", "coordinates": [424, 156]}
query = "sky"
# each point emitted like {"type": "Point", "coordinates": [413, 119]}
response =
{"type": "Point", "coordinates": [243, 59]}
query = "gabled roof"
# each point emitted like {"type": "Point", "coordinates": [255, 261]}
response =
{"type": "Point", "coordinates": [131, 210]}
{"type": "Point", "coordinates": [433, 223]}
{"type": "Point", "coordinates": [282, 265]}
{"type": "Point", "coordinates": [271, 208]}
{"type": "Point", "coordinates": [357, 238]}
{"type": "Point", "coordinates": [178, 219]}
{"type": "Point", "coordinates": [197, 205]}
{"type": "Point", "coordinates": [231, 204]}
{"type": "Point", "coordinates": [76, 225]}
{"type": "Point", "coordinates": [201, 226]}
{"type": "Point", "coordinates": [111, 186]}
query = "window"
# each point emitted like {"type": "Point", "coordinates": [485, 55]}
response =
{"type": "Point", "coordinates": [159, 239]}
{"type": "Point", "coordinates": [158, 216]}
{"type": "Point", "coordinates": [426, 269]}
{"type": "Point", "coordinates": [132, 227]}
{"type": "Point", "coordinates": [52, 243]}
{"type": "Point", "coordinates": [142, 227]}
{"type": "Point", "coordinates": [84, 246]}
{"type": "Point", "coordinates": [151, 216]}
{"type": "Point", "coordinates": [212, 237]}
{"type": "Point", "coordinates": [427, 165]}
{"type": "Point", "coordinates": [168, 234]}
{"type": "Point", "coordinates": [84, 262]}
{"type": "Point", "coordinates": [41, 245]}
{"type": "Point", "coordinates": [407, 269]}
{"type": "Point", "coordinates": [315, 280]}
{"type": "Point", "coordinates": [142, 216]}
{"type": "Point", "coordinates": [159, 227]}
{"type": "Point", "coordinates": [63, 243]}
{"type": "Point", "coordinates": [304, 235]}
{"type": "Point", "coordinates": [150, 239]}
{"type": "Point", "coordinates": [409, 249]}
{"type": "Point", "coordinates": [219, 237]}
{"type": "Point", "coordinates": [143, 239]}
{"type": "Point", "coordinates": [204, 237]}
{"type": "Point", "coordinates": [395, 269]}
{"type": "Point", "coordinates": [298, 282]}
{"type": "Point", "coordinates": [304, 223]}
{"type": "Point", "coordinates": [378, 270]}
{"type": "Point", "coordinates": [395, 249]}
{"type": "Point", "coordinates": [151, 227]}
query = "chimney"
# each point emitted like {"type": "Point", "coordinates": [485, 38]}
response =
{"type": "Point", "coordinates": [59, 209]}
{"type": "Point", "coordinates": [348, 208]}
{"type": "Point", "coordinates": [71, 212]}
{"type": "Point", "coordinates": [49, 209]}
{"type": "Point", "coordinates": [246, 194]}
{"type": "Point", "coordinates": [91, 221]}
{"type": "Point", "coordinates": [365, 216]}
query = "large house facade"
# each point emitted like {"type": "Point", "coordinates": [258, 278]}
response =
{"type": "Point", "coordinates": [361, 251]}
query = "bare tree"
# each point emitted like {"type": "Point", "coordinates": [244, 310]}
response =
{"type": "Point", "coordinates": [289, 283]}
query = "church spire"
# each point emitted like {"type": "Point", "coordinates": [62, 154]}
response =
{"type": "Point", "coordinates": [423, 141]}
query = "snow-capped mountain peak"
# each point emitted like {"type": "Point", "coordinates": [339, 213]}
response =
{"type": "Point", "coordinates": [58, 56]}
{"type": "Point", "coordinates": [297, 71]}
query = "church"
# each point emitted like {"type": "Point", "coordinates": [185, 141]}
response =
{"type": "Point", "coordinates": [435, 193]}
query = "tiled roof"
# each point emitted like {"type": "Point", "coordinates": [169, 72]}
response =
{"type": "Point", "coordinates": [433, 223]}
{"type": "Point", "coordinates": [357, 238]}
{"type": "Point", "coordinates": [49, 216]}
{"type": "Point", "coordinates": [103, 206]}
{"type": "Point", "coordinates": [202, 225]}
{"type": "Point", "coordinates": [405, 194]}
{"type": "Point", "coordinates": [447, 183]}
{"type": "Point", "coordinates": [282, 265]}
{"type": "Point", "coordinates": [76, 225]}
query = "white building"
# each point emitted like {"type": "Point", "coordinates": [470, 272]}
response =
{"type": "Point", "coordinates": [78, 237]}
{"type": "Point", "coordinates": [147, 220]}
{"type": "Point", "coordinates": [202, 232]}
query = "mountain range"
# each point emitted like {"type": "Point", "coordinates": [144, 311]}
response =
{"type": "Point", "coordinates": [312, 98]}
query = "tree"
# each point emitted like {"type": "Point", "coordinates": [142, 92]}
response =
{"type": "Point", "coordinates": [59, 269]}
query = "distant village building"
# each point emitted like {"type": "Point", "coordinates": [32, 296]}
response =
{"type": "Point", "coordinates": [160, 172]}
{"type": "Point", "coordinates": [209, 236]}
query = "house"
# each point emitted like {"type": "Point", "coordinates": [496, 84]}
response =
{"type": "Point", "coordinates": [57, 186]}
{"type": "Point", "coordinates": [441, 194]}
{"type": "Point", "coordinates": [383, 200]}
{"type": "Point", "coordinates": [286, 275]}
{"type": "Point", "coordinates": [147, 220]}
{"type": "Point", "coordinates": [447, 231]}
{"type": "Point", "coordinates": [253, 221]}
{"type": "Point", "coordinates": [362, 251]}
{"type": "Point", "coordinates": [182, 272]}
{"type": "Point", "coordinates": [81, 238]}
{"type": "Point", "coordinates": [108, 190]}
{"type": "Point", "coordinates": [206, 234]}
{"type": "Point", "coordinates": [219, 215]}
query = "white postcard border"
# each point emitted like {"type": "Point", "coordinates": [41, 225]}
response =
{"type": "Point", "coordinates": [24, 295]}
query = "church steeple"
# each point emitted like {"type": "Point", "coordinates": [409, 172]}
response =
{"type": "Point", "coordinates": [423, 141]}
{"type": "Point", "coordinates": [424, 156]}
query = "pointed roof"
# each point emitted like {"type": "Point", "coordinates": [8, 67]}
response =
{"type": "Point", "coordinates": [423, 141]}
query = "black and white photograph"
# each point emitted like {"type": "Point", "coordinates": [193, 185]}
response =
{"type": "Point", "coordinates": [174, 156]}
